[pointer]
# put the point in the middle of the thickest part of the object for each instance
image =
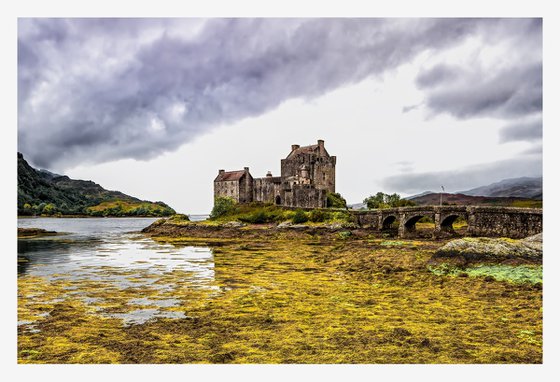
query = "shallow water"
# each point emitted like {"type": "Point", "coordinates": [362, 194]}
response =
{"type": "Point", "coordinates": [113, 252]}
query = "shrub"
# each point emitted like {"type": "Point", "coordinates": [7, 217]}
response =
{"type": "Point", "coordinates": [299, 217]}
{"type": "Point", "coordinates": [180, 218]}
{"type": "Point", "coordinates": [222, 206]}
{"type": "Point", "coordinates": [317, 216]}
{"type": "Point", "coordinates": [341, 216]}
{"type": "Point", "coordinates": [258, 217]}
{"type": "Point", "coordinates": [344, 235]}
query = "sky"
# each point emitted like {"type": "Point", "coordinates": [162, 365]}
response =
{"type": "Point", "coordinates": [154, 107]}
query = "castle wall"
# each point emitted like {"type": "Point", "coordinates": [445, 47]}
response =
{"type": "Point", "coordinates": [324, 173]}
{"type": "Point", "coordinates": [246, 184]}
{"type": "Point", "coordinates": [305, 196]}
{"type": "Point", "coordinates": [229, 189]}
{"type": "Point", "coordinates": [266, 189]}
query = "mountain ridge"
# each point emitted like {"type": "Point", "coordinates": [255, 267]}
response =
{"type": "Point", "coordinates": [42, 192]}
{"type": "Point", "coordinates": [523, 187]}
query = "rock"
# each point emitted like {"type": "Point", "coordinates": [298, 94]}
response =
{"type": "Point", "coordinates": [286, 224]}
{"type": "Point", "coordinates": [29, 232]}
{"type": "Point", "coordinates": [491, 249]}
{"type": "Point", "coordinates": [534, 241]}
{"type": "Point", "coordinates": [299, 226]}
{"type": "Point", "coordinates": [234, 224]}
{"type": "Point", "coordinates": [290, 225]}
{"type": "Point", "coordinates": [337, 226]}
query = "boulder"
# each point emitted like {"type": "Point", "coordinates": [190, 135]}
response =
{"type": "Point", "coordinates": [234, 224]}
{"type": "Point", "coordinates": [470, 249]}
{"type": "Point", "coordinates": [286, 224]}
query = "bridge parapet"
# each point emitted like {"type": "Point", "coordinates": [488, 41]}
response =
{"type": "Point", "coordinates": [511, 222]}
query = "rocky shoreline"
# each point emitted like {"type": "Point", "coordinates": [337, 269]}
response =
{"type": "Point", "coordinates": [32, 232]}
{"type": "Point", "coordinates": [460, 252]}
{"type": "Point", "coordinates": [238, 230]}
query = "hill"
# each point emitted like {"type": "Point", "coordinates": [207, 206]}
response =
{"type": "Point", "coordinates": [41, 192]}
{"type": "Point", "coordinates": [525, 187]}
{"type": "Point", "coordinates": [461, 199]}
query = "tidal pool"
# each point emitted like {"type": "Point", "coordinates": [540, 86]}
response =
{"type": "Point", "coordinates": [105, 294]}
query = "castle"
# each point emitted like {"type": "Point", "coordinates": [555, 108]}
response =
{"type": "Point", "coordinates": [306, 176]}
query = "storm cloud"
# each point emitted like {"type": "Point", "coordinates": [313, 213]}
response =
{"type": "Point", "coordinates": [95, 90]}
{"type": "Point", "coordinates": [506, 87]}
{"type": "Point", "coordinates": [527, 130]}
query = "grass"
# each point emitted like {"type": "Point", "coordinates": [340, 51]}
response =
{"type": "Point", "coordinates": [258, 213]}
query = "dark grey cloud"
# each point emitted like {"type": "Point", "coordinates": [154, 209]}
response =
{"type": "Point", "coordinates": [92, 90]}
{"type": "Point", "coordinates": [511, 93]}
{"type": "Point", "coordinates": [437, 75]}
{"type": "Point", "coordinates": [466, 178]}
{"type": "Point", "coordinates": [529, 130]}
{"type": "Point", "coordinates": [509, 87]}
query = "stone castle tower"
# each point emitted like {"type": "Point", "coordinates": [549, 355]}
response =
{"type": "Point", "coordinates": [307, 174]}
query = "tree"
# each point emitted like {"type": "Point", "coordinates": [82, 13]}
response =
{"type": "Point", "coordinates": [335, 200]}
{"type": "Point", "coordinates": [382, 200]}
{"type": "Point", "coordinates": [49, 209]}
{"type": "Point", "coordinates": [222, 206]}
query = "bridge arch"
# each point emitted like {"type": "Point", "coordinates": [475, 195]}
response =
{"type": "Point", "coordinates": [447, 219]}
{"type": "Point", "coordinates": [388, 221]}
{"type": "Point", "coordinates": [447, 223]}
{"type": "Point", "coordinates": [409, 221]}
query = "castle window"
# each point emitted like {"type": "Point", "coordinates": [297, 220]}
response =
{"type": "Point", "coordinates": [324, 176]}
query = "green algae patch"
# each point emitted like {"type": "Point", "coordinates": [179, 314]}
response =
{"type": "Point", "coordinates": [531, 274]}
{"type": "Point", "coordinates": [516, 274]}
{"type": "Point", "coordinates": [307, 300]}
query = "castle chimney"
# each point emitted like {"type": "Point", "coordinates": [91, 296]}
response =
{"type": "Point", "coordinates": [321, 143]}
{"type": "Point", "coordinates": [221, 171]}
{"type": "Point", "coordinates": [268, 174]}
{"type": "Point", "coordinates": [295, 147]}
{"type": "Point", "coordinates": [246, 169]}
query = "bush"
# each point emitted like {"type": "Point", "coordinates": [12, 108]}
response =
{"type": "Point", "coordinates": [257, 217]}
{"type": "Point", "coordinates": [344, 235]}
{"type": "Point", "coordinates": [222, 206]}
{"type": "Point", "coordinates": [180, 218]}
{"type": "Point", "coordinates": [299, 217]}
{"type": "Point", "coordinates": [335, 200]}
{"type": "Point", "coordinates": [342, 216]}
{"type": "Point", "coordinates": [317, 216]}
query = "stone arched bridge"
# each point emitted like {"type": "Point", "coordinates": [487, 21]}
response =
{"type": "Point", "coordinates": [481, 221]}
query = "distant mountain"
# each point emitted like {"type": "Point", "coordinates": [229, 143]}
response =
{"type": "Point", "coordinates": [41, 192]}
{"type": "Point", "coordinates": [525, 187]}
{"type": "Point", "coordinates": [462, 200]}
{"type": "Point", "coordinates": [419, 195]}
{"type": "Point", "coordinates": [357, 206]}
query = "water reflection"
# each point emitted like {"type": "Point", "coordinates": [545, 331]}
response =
{"type": "Point", "coordinates": [109, 252]}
